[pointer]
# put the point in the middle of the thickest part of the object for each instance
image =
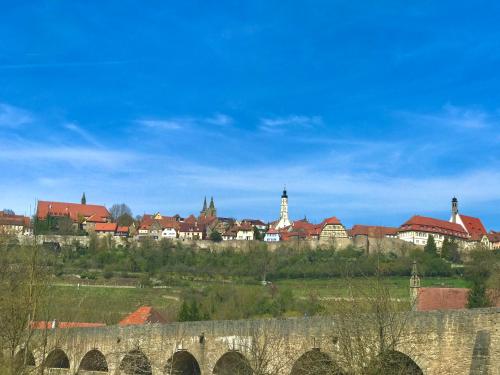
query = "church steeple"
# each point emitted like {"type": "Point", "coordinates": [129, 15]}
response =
{"type": "Point", "coordinates": [204, 205]}
{"type": "Point", "coordinates": [284, 221]}
{"type": "Point", "coordinates": [212, 205]}
{"type": "Point", "coordinates": [84, 199]}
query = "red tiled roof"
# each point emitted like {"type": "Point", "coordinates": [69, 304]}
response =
{"type": "Point", "coordinates": [474, 227]}
{"type": "Point", "coordinates": [17, 220]}
{"type": "Point", "coordinates": [73, 210]}
{"type": "Point", "coordinates": [431, 225]}
{"type": "Point", "coordinates": [372, 231]}
{"type": "Point", "coordinates": [105, 227]}
{"type": "Point", "coordinates": [331, 220]}
{"type": "Point", "coordinates": [190, 227]}
{"type": "Point", "coordinates": [272, 231]}
{"type": "Point", "coordinates": [190, 219]}
{"type": "Point", "coordinates": [448, 298]}
{"type": "Point", "coordinates": [494, 236]}
{"type": "Point", "coordinates": [288, 236]}
{"type": "Point", "coordinates": [143, 315]}
{"type": "Point", "coordinates": [122, 229]}
{"type": "Point", "coordinates": [245, 227]}
{"type": "Point", "coordinates": [50, 325]}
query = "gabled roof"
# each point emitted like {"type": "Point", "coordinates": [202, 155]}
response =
{"type": "Point", "coordinates": [72, 210]}
{"type": "Point", "coordinates": [474, 227]}
{"type": "Point", "coordinates": [122, 229]}
{"type": "Point", "coordinates": [372, 231]}
{"type": "Point", "coordinates": [143, 315]}
{"type": "Point", "coordinates": [431, 225]}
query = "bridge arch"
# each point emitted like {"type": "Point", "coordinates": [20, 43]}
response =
{"type": "Point", "coordinates": [315, 362]}
{"type": "Point", "coordinates": [232, 363]}
{"type": "Point", "coordinates": [396, 362]}
{"type": "Point", "coordinates": [24, 357]}
{"type": "Point", "coordinates": [135, 362]}
{"type": "Point", "coordinates": [57, 358]}
{"type": "Point", "coordinates": [182, 363]}
{"type": "Point", "coordinates": [94, 361]}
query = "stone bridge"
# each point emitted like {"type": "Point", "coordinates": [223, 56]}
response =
{"type": "Point", "coordinates": [441, 343]}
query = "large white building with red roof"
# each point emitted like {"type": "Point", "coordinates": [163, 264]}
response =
{"type": "Point", "coordinates": [418, 228]}
{"type": "Point", "coordinates": [466, 230]}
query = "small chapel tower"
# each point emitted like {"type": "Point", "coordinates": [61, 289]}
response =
{"type": "Point", "coordinates": [454, 210]}
{"type": "Point", "coordinates": [414, 286]}
{"type": "Point", "coordinates": [284, 221]}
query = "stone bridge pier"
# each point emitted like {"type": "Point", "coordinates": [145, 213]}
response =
{"type": "Point", "coordinates": [440, 343]}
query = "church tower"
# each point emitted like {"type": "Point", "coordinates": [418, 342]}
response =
{"type": "Point", "coordinates": [84, 199]}
{"type": "Point", "coordinates": [414, 286]}
{"type": "Point", "coordinates": [454, 209]}
{"type": "Point", "coordinates": [284, 221]}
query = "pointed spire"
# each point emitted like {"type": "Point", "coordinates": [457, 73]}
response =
{"type": "Point", "coordinates": [205, 204]}
{"type": "Point", "coordinates": [84, 199]}
{"type": "Point", "coordinates": [212, 205]}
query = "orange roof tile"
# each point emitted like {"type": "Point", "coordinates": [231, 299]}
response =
{"type": "Point", "coordinates": [474, 227]}
{"type": "Point", "coordinates": [143, 315]}
{"type": "Point", "coordinates": [73, 210]}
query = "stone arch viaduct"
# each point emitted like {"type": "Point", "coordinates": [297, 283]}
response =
{"type": "Point", "coordinates": [453, 342]}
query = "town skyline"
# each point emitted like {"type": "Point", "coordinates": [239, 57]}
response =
{"type": "Point", "coordinates": [443, 214]}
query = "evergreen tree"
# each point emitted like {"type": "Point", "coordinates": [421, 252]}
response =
{"type": "Point", "coordinates": [184, 312]}
{"type": "Point", "coordinates": [445, 249]}
{"type": "Point", "coordinates": [430, 248]}
{"type": "Point", "coordinates": [477, 295]}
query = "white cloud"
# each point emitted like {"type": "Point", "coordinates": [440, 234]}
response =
{"type": "Point", "coordinates": [460, 118]}
{"type": "Point", "coordinates": [186, 123]}
{"type": "Point", "coordinates": [77, 156]}
{"type": "Point", "coordinates": [82, 133]}
{"type": "Point", "coordinates": [13, 117]}
{"type": "Point", "coordinates": [278, 124]}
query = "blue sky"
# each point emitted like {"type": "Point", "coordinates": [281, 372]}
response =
{"type": "Point", "coordinates": [369, 111]}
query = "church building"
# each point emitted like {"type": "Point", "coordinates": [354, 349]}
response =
{"type": "Point", "coordinates": [209, 211]}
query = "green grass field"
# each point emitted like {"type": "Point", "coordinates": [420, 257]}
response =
{"type": "Point", "coordinates": [110, 304]}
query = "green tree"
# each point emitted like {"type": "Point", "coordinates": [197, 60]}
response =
{"type": "Point", "coordinates": [184, 313]}
{"type": "Point", "coordinates": [478, 296]}
{"type": "Point", "coordinates": [449, 250]}
{"type": "Point", "coordinates": [430, 247]}
{"type": "Point", "coordinates": [215, 236]}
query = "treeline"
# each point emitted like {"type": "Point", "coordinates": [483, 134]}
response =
{"type": "Point", "coordinates": [165, 257]}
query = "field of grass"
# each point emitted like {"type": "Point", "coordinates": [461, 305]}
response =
{"type": "Point", "coordinates": [111, 303]}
